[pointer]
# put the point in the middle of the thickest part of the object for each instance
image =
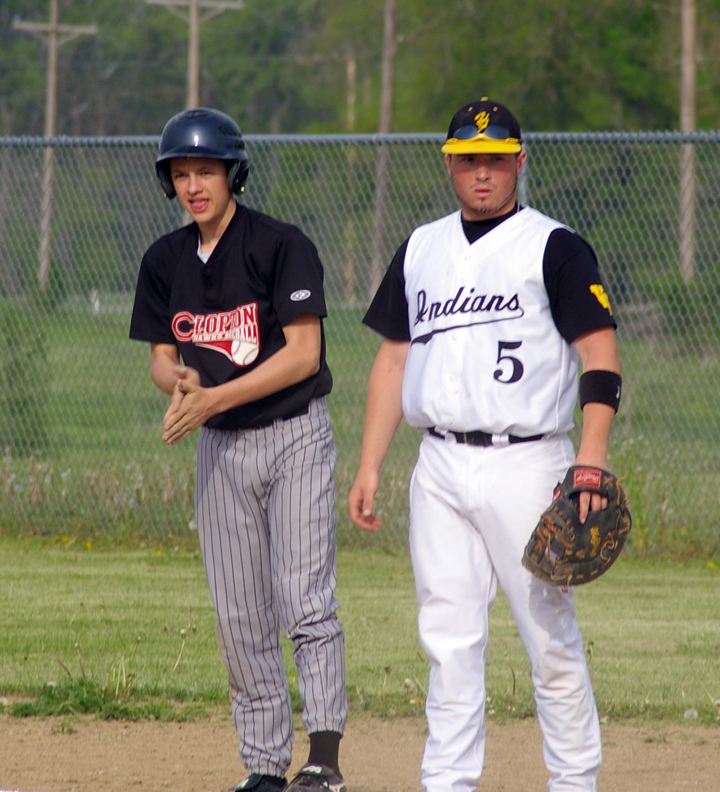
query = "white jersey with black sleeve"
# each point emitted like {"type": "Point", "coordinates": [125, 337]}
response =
{"type": "Point", "coordinates": [485, 352]}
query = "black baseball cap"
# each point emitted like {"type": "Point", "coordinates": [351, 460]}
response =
{"type": "Point", "coordinates": [483, 127]}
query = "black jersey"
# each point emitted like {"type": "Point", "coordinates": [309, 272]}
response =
{"type": "Point", "coordinates": [570, 269]}
{"type": "Point", "coordinates": [226, 316]}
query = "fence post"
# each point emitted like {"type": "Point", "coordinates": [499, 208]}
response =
{"type": "Point", "coordinates": [687, 153]}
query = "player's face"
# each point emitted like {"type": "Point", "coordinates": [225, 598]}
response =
{"type": "Point", "coordinates": [201, 187]}
{"type": "Point", "coordinates": [485, 183]}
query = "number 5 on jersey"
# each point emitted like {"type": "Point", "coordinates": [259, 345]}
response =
{"type": "Point", "coordinates": [503, 361]}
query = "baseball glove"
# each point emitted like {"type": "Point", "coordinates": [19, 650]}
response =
{"type": "Point", "coordinates": [565, 552]}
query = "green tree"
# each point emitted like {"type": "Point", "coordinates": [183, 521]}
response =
{"type": "Point", "coordinates": [282, 65]}
{"type": "Point", "coordinates": [258, 65]}
{"type": "Point", "coordinates": [562, 65]}
{"type": "Point", "coordinates": [22, 70]}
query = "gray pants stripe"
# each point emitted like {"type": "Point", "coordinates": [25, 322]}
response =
{"type": "Point", "coordinates": [265, 509]}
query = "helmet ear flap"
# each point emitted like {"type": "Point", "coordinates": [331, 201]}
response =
{"type": "Point", "coordinates": [237, 174]}
{"type": "Point", "coordinates": [162, 169]}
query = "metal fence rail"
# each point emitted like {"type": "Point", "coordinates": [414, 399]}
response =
{"type": "Point", "coordinates": [79, 418]}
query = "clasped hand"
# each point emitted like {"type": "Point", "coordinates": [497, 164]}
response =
{"type": "Point", "coordinates": [189, 408]}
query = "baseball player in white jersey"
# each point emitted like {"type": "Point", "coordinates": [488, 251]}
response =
{"type": "Point", "coordinates": [239, 296]}
{"type": "Point", "coordinates": [484, 315]}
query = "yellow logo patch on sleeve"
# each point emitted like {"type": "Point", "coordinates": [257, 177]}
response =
{"type": "Point", "coordinates": [601, 296]}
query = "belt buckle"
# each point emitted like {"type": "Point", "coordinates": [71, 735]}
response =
{"type": "Point", "coordinates": [478, 438]}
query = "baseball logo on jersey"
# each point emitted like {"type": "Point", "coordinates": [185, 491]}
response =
{"type": "Point", "coordinates": [235, 333]}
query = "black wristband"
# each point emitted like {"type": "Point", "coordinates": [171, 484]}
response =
{"type": "Point", "coordinates": [600, 386]}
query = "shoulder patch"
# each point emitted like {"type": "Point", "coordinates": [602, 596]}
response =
{"type": "Point", "coordinates": [300, 295]}
{"type": "Point", "coordinates": [601, 296]}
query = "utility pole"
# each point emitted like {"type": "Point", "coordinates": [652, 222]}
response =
{"type": "Point", "coordinates": [56, 35]}
{"type": "Point", "coordinates": [687, 151]}
{"type": "Point", "coordinates": [351, 78]}
{"type": "Point", "coordinates": [194, 17]}
{"type": "Point", "coordinates": [381, 180]}
{"type": "Point", "coordinates": [388, 68]}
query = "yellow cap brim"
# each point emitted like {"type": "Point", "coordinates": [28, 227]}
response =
{"type": "Point", "coordinates": [455, 146]}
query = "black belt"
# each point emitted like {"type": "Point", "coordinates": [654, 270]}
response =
{"type": "Point", "coordinates": [483, 439]}
{"type": "Point", "coordinates": [264, 425]}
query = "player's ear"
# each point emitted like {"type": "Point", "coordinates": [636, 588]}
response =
{"type": "Point", "coordinates": [521, 157]}
{"type": "Point", "coordinates": [448, 160]}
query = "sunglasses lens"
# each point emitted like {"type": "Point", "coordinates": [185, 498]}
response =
{"type": "Point", "coordinates": [492, 132]}
{"type": "Point", "coordinates": [466, 132]}
{"type": "Point", "coordinates": [495, 132]}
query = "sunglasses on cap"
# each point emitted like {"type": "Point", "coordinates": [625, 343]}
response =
{"type": "Point", "coordinates": [491, 132]}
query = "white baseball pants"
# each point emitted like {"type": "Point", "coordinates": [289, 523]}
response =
{"type": "Point", "coordinates": [472, 511]}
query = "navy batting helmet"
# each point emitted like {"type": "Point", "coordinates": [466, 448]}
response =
{"type": "Point", "coordinates": [202, 132]}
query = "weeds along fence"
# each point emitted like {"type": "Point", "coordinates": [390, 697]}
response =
{"type": "Point", "coordinates": [80, 429]}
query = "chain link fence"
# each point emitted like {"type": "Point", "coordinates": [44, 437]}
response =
{"type": "Point", "coordinates": [80, 419]}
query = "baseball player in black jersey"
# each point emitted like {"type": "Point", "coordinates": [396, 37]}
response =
{"type": "Point", "coordinates": [238, 296]}
{"type": "Point", "coordinates": [484, 315]}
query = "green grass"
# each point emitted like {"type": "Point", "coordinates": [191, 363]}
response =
{"type": "Point", "coordinates": [130, 633]}
{"type": "Point", "coordinates": [666, 445]}
{"type": "Point", "coordinates": [101, 468]}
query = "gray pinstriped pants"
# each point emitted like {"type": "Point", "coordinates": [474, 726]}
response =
{"type": "Point", "coordinates": [265, 506]}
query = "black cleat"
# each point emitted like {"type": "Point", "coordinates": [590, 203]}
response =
{"type": "Point", "coordinates": [317, 778]}
{"type": "Point", "coordinates": [260, 783]}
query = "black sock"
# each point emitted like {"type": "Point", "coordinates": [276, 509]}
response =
{"type": "Point", "coordinates": [324, 749]}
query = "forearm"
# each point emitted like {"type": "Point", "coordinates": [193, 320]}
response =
{"type": "Point", "coordinates": [164, 361]}
{"type": "Point", "coordinates": [597, 422]}
{"type": "Point", "coordinates": [381, 423]}
{"type": "Point", "coordinates": [383, 411]}
{"type": "Point", "coordinates": [382, 417]}
{"type": "Point", "coordinates": [598, 352]}
{"type": "Point", "coordinates": [286, 367]}
{"type": "Point", "coordinates": [293, 363]}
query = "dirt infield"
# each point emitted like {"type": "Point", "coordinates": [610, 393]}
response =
{"type": "Point", "coordinates": [88, 755]}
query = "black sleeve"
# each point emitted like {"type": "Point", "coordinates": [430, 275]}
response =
{"type": "Point", "coordinates": [151, 320]}
{"type": "Point", "coordinates": [388, 313]}
{"type": "Point", "coordinates": [578, 300]}
{"type": "Point", "coordinates": [298, 278]}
